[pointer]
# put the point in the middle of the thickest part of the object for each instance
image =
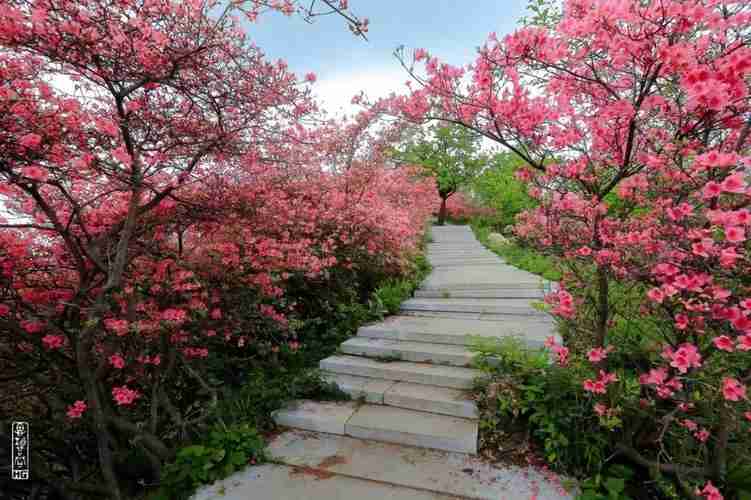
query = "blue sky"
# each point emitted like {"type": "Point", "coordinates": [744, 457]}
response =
{"type": "Point", "coordinates": [344, 64]}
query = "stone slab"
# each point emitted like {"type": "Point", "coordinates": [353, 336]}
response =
{"type": "Point", "coordinates": [369, 389]}
{"type": "Point", "coordinates": [494, 275]}
{"type": "Point", "coordinates": [443, 400]}
{"type": "Point", "coordinates": [521, 307]}
{"type": "Point", "coordinates": [459, 331]}
{"type": "Point", "coordinates": [329, 416]}
{"type": "Point", "coordinates": [457, 474]}
{"type": "Point", "coordinates": [413, 428]}
{"type": "Point", "coordinates": [419, 373]}
{"type": "Point", "coordinates": [418, 352]}
{"type": "Point", "coordinates": [508, 292]}
{"type": "Point", "coordinates": [283, 482]}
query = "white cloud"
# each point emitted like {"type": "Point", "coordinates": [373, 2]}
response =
{"type": "Point", "coordinates": [335, 92]}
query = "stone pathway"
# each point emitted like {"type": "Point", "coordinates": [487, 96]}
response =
{"type": "Point", "coordinates": [411, 429]}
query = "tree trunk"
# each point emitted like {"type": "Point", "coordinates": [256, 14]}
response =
{"type": "Point", "coordinates": [442, 212]}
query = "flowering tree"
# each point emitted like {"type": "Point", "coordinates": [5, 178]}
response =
{"type": "Point", "coordinates": [633, 119]}
{"type": "Point", "coordinates": [178, 173]}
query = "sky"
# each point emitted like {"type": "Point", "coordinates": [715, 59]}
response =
{"type": "Point", "coordinates": [344, 64]}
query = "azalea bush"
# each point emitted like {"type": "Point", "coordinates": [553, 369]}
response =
{"type": "Point", "coordinates": [633, 121]}
{"type": "Point", "coordinates": [168, 209]}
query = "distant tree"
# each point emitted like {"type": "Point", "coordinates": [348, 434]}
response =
{"type": "Point", "coordinates": [450, 154]}
{"type": "Point", "coordinates": [498, 187]}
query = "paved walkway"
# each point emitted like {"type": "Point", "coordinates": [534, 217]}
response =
{"type": "Point", "coordinates": [411, 429]}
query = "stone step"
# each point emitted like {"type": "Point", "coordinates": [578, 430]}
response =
{"type": "Point", "coordinates": [455, 331]}
{"type": "Point", "coordinates": [420, 373]}
{"type": "Point", "coordinates": [463, 263]}
{"type": "Point", "coordinates": [515, 307]}
{"type": "Point", "coordinates": [487, 275]}
{"type": "Point", "coordinates": [429, 398]}
{"type": "Point", "coordinates": [417, 352]}
{"type": "Point", "coordinates": [381, 423]}
{"type": "Point", "coordinates": [413, 428]}
{"type": "Point", "coordinates": [367, 388]}
{"type": "Point", "coordinates": [455, 474]}
{"type": "Point", "coordinates": [484, 293]}
{"type": "Point", "coordinates": [284, 482]}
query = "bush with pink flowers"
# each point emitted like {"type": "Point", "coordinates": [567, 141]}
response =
{"type": "Point", "coordinates": [633, 121]}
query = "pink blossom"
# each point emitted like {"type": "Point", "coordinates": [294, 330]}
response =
{"type": "Point", "coordinates": [4, 310]}
{"type": "Point", "coordinates": [35, 173]}
{"type": "Point", "coordinates": [686, 357]}
{"type": "Point", "coordinates": [117, 361]}
{"type": "Point", "coordinates": [53, 341]}
{"type": "Point", "coordinates": [702, 435]}
{"type": "Point", "coordinates": [600, 409]}
{"type": "Point", "coordinates": [310, 77]}
{"type": "Point", "coordinates": [689, 424]}
{"type": "Point", "coordinates": [124, 395]}
{"type": "Point", "coordinates": [710, 492]}
{"type": "Point", "coordinates": [76, 409]}
{"type": "Point", "coordinates": [712, 190]}
{"type": "Point", "coordinates": [598, 354]}
{"type": "Point", "coordinates": [174, 316]}
{"type": "Point", "coordinates": [735, 234]}
{"type": "Point", "coordinates": [655, 376]}
{"type": "Point", "coordinates": [119, 326]}
{"type": "Point", "coordinates": [734, 184]}
{"type": "Point", "coordinates": [724, 343]}
{"type": "Point", "coordinates": [195, 352]}
{"type": "Point", "coordinates": [30, 141]}
{"type": "Point", "coordinates": [733, 390]}
{"type": "Point", "coordinates": [656, 295]}
{"type": "Point", "coordinates": [744, 343]}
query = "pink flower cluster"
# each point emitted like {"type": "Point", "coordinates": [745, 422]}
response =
{"type": "Point", "coordinates": [561, 352]}
{"type": "Point", "coordinates": [123, 395]}
{"type": "Point", "coordinates": [600, 385]}
{"type": "Point", "coordinates": [76, 409]}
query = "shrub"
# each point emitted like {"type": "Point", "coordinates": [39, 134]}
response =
{"type": "Point", "coordinates": [226, 450]}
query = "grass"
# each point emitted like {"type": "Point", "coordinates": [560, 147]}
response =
{"type": "Point", "coordinates": [519, 256]}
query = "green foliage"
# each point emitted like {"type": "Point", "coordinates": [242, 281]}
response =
{"type": "Point", "coordinates": [224, 451]}
{"type": "Point", "coordinates": [498, 188]}
{"type": "Point", "coordinates": [392, 293]}
{"type": "Point", "coordinates": [449, 154]}
{"type": "Point", "coordinates": [265, 392]}
{"type": "Point", "coordinates": [611, 485]}
{"type": "Point", "coordinates": [543, 13]}
{"type": "Point", "coordinates": [522, 389]}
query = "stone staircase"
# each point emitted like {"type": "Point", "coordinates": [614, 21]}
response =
{"type": "Point", "coordinates": [410, 433]}
{"type": "Point", "coordinates": [409, 375]}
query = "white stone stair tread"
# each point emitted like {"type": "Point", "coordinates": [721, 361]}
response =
{"type": "Point", "coordinates": [414, 428]}
{"type": "Point", "coordinates": [418, 352]}
{"type": "Point", "coordinates": [431, 398]}
{"type": "Point", "coordinates": [470, 305]}
{"type": "Point", "coordinates": [532, 330]}
{"type": "Point", "coordinates": [486, 293]}
{"type": "Point", "coordinates": [320, 416]}
{"type": "Point", "coordinates": [372, 389]}
{"type": "Point", "coordinates": [283, 482]}
{"type": "Point", "coordinates": [420, 373]}
{"type": "Point", "coordinates": [457, 474]}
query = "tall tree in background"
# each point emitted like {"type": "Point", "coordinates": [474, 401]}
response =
{"type": "Point", "coordinates": [499, 187]}
{"type": "Point", "coordinates": [450, 154]}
